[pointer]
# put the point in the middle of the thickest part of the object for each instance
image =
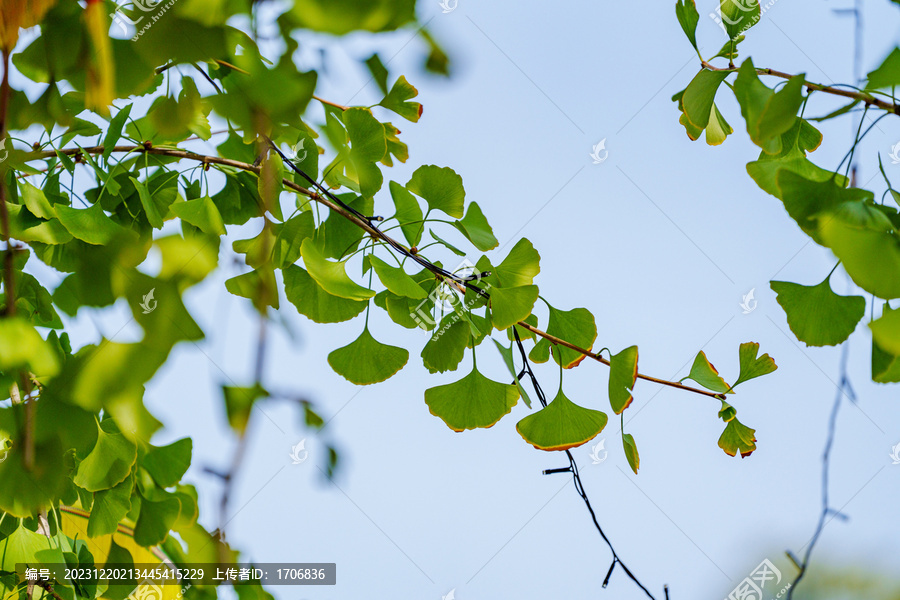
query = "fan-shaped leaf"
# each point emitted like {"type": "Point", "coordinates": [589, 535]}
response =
{"type": "Point", "coordinates": [817, 315]}
{"type": "Point", "coordinates": [366, 361]}
{"type": "Point", "coordinates": [472, 402]}
{"type": "Point", "coordinates": [561, 425]}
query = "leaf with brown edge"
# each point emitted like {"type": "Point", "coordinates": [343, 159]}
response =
{"type": "Point", "coordinates": [561, 425]}
{"type": "Point", "coordinates": [751, 365]}
{"type": "Point", "coordinates": [737, 437]}
{"type": "Point", "coordinates": [472, 402]}
{"type": "Point", "coordinates": [623, 370]}
{"type": "Point", "coordinates": [704, 373]}
{"type": "Point", "coordinates": [631, 452]}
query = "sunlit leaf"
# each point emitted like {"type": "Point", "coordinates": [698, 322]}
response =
{"type": "Point", "coordinates": [441, 187]}
{"type": "Point", "coordinates": [631, 452]}
{"type": "Point", "coordinates": [704, 373]}
{"type": "Point", "coordinates": [753, 365]}
{"type": "Point", "coordinates": [332, 276]}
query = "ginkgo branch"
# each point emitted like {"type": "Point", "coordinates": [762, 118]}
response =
{"type": "Point", "coordinates": [362, 224]}
{"type": "Point", "coordinates": [868, 99]}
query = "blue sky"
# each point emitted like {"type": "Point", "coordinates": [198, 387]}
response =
{"type": "Point", "coordinates": [660, 242]}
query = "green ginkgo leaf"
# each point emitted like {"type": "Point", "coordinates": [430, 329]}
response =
{"type": "Point", "coordinates": [24, 348]}
{"type": "Point", "coordinates": [20, 547]}
{"type": "Point", "coordinates": [332, 276]}
{"type": "Point", "coordinates": [109, 463]}
{"type": "Point", "coordinates": [168, 464]}
{"type": "Point", "coordinates": [156, 519]}
{"type": "Point", "coordinates": [90, 224]}
{"type": "Point", "coordinates": [366, 361]}
{"type": "Point", "coordinates": [201, 213]}
{"type": "Point", "coordinates": [109, 507]}
{"type": "Point", "coordinates": [575, 326]}
{"type": "Point", "coordinates": [239, 403]}
{"type": "Point", "coordinates": [314, 302]}
{"type": "Point", "coordinates": [511, 305]}
{"type": "Point", "coordinates": [753, 365]}
{"type": "Point", "coordinates": [623, 370]}
{"type": "Point", "coordinates": [737, 437]}
{"type": "Point", "coordinates": [519, 267]}
{"type": "Point", "coordinates": [408, 213]}
{"type": "Point", "coordinates": [688, 17]}
{"type": "Point", "coordinates": [472, 402]}
{"type": "Point", "coordinates": [704, 373]}
{"type": "Point", "coordinates": [396, 279]}
{"type": "Point", "coordinates": [817, 315]}
{"type": "Point", "coordinates": [631, 452]}
{"type": "Point", "coordinates": [477, 229]}
{"type": "Point", "coordinates": [886, 330]}
{"type": "Point", "coordinates": [447, 345]}
{"type": "Point", "coordinates": [397, 100]}
{"type": "Point", "coordinates": [700, 94]}
{"type": "Point", "coordinates": [885, 365]}
{"type": "Point", "coordinates": [441, 187]}
{"type": "Point", "coordinates": [561, 425]}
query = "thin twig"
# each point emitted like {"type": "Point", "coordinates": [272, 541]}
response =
{"type": "Point", "coordinates": [817, 87]}
{"type": "Point", "coordinates": [327, 199]}
{"type": "Point", "coordinates": [843, 388]}
{"type": "Point", "coordinates": [576, 477]}
{"type": "Point", "coordinates": [330, 103]}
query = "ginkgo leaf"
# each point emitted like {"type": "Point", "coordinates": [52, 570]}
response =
{"type": "Point", "coordinates": [109, 463]}
{"type": "Point", "coordinates": [886, 330]}
{"type": "Point", "coordinates": [688, 17]}
{"type": "Point", "coordinates": [332, 276]}
{"type": "Point", "coordinates": [623, 371]}
{"type": "Point", "coordinates": [575, 326]}
{"type": "Point", "coordinates": [366, 361]}
{"type": "Point", "coordinates": [156, 519]}
{"type": "Point", "coordinates": [447, 345]}
{"type": "Point", "coordinates": [737, 437]}
{"type": "Point", "coordinates": [441, 187]}
{"type": "Point", "coordinates": [110, 507]}
{"type": "Point", "coordinates": [408, 213]}
{"type": "Point", "coordinates": [314, 302]}
{"type": "Point", "coordinates": [700, 94]}
{"type": "Point", "coordinates": [397, 100]}
{"type": "Point", "coordinates": [396, 279]}
{"type": "Point", "coordinates": [631, 452]}
{"type": "Point", "coordinates": [201, 213]}
{"type": "Point", "coordinates": [561, 425]}
{"type": "Point", "coordinates": [90, 224]}
{"type": "Point", "coordinates": [511, 305]}
{"type": "Point", "coordinates": [239, 403]}
{"type": "Point", "coordinates": [520, 266]}
{"type": "Point", "coordinates": [751, 365]}
{"type": "Point", "coordinates": [477, 229]}
{"type": "Point", "coordinates": [168, 464]}
{"type": "Point", "coordinates": [704, 373]}
{"type": "Point", "coordinates": [472, 402]}
{"type": "Point", "coordinates": [816, 315]}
